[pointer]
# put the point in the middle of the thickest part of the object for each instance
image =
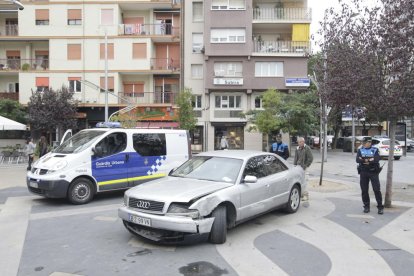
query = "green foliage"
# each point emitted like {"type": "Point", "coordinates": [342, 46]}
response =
{"type": "Point", "coordinates": [13, 110]}
{"type": "Point", "coordinates": [52, 109]}
{"type": "Point", "coordinates": [26, 67]}
{"type": "Point", "coordinates": [186, 116]}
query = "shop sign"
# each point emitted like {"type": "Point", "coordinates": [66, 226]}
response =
{"type": "Point", "coordinates": [228, 81]}
{"type": "Point", "coordinates": [297, 82]}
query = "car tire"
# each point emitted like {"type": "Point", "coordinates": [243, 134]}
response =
{"type": "Point", "coordinates": [81, 191]}
{"type": "Point", "coordinates": [294, 200]}
{"type": "Point", "coordinates": [397, 157]}
{"type": "Point", "coordinates": [218, 231]}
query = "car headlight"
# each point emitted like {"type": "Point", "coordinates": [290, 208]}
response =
{"type": "Point", "coordinates": [58, 166]}
{"type": "Point", "coordinates": [181, 209]}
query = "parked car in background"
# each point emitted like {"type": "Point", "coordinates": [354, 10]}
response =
{"type": "Point", "coordinates": [383, 145]}
{"type": "Point", "coordinates": [210, 193]}
{"type": "Point", "coordinates": [410, 144]}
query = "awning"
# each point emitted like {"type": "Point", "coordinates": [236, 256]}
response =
{"type": "Point", "coordinates": [7, 124]}
{"type": "Point", "coordinates": [157, 125]}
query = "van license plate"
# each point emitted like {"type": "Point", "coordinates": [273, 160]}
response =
{"type": "Point", "coordinates": [140, 220]}
{"type": "Point", "coordinates": [33, 184]}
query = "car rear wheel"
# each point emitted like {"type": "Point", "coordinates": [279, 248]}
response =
{"type": "Point", "coordinates": [218, 232]}
{"type": "Point", "coordinates": [81, 191]}
{"type": "Point", "coordinates": [294, 200]}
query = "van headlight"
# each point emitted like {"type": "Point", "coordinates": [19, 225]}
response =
{"type": "Point", "coordinates": [58, 166]}
{"type": "Point", "coordinates": [181, 209]}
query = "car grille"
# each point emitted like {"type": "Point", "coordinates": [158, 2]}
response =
{"type": "Point", "coordinates": [154, 206]}
{"type": "Point", "coordinates": [36, 191]}
{"type": "Point", "coordinates": [39, 171]}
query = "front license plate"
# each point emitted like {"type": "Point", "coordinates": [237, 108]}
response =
{"type": "Point", "coordinates": [33, 184]}
{"type": "Point", "coordinates": [140, 220]}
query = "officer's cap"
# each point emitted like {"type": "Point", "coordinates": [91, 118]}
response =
{"type": "Point", "coordinates": [279, 135]}
{"type": "Point", "coordinates": [367, 139]}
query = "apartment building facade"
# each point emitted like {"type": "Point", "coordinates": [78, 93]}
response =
{"type": "Point", "coordinates": [245, 48]}
{"type": "Point", "coordinates": [54, 43]}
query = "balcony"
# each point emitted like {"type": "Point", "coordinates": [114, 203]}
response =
{"type": "Point", "coordinates": [24, 64]}
{"type": "Point", "coordinates": [165, 64]}
{"type": "Point", "coordinates": [9, 95]}
{"type": "Point", "coordinates": [166, 29]}
{"type": "Point", "coordinates": [281, 47]}
{"type": "Point", "coordinates": [148, 97]}
{"type": "Point", "coordinates": [10, 30]}
{"type": "Point", "coordinates": [282, 14]}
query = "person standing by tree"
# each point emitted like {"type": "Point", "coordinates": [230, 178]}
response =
{"type": "Point", "coordinates": [42, 146]}
{"type": "Point", "coordinates": [30, 147]}
{"type": "Point", "coordinates": [368, 168]}
{"type": "Point", "coordinates": [280, 148]}
{"type": "Point", "coordinates": [303, 158]}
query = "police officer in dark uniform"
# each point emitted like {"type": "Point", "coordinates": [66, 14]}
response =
{"type": "Point", "coordinates": [368, 168]}
{"type": "Point", "coordinates": [280, 148]}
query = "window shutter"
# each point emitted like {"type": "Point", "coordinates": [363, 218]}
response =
{"type": "Point", "coordinates": [74, 51]}
{"type": "Point", "coordinates": [42, 81]}
{"type": "Point", "coordinates": [139, 50]}
{"type": "Point", "coordinates": [75, 14]}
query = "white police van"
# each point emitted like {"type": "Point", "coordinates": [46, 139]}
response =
{"type": "Point", "coordinates": [98, 160]}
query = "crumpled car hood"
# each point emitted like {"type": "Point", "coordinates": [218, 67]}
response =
{"type": "Point", "coordinates": [175, 189]}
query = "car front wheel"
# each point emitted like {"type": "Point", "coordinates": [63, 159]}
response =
{"type": "Point", "coordinates": [294, 200]}
{"type": "Point", "coordinates": [81, 191]}
{"type": "Point", "coordinates": [219, 229]}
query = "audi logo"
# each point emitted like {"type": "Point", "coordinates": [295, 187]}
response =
{"type": "Point", "coordinates": [143, 204]}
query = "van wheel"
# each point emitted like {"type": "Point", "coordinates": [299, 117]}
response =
{"type": "Point", "coordinates": [81, 191]}
{"type": "Point", "coordinates": [219, 229]}
{"type": "Point", "coordinates": [294, 200]}
{"type": "Point", "coordinates": [397, 157]}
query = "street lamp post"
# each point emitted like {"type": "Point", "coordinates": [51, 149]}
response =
{"type": "Point", "coordinates": [106, 76]}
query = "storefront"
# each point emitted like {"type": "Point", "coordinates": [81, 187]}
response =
{"type": "Point", "coordinates": [232, 132]}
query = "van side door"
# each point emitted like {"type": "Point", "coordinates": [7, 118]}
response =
{"type": "Point", "coordinates": [110, 168]}
{"type": "Point", "coordinates": [148, 160]}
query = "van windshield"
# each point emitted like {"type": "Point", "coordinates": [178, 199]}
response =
{"type": "Point", "coordinates": [78, 142]}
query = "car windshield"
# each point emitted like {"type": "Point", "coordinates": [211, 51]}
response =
{"type": "Point", "coordinates": [220, 169]}
{"type": "Point", "coordinates": [388, 142]}
{"type": "Point", "coordinates": [78, 142]}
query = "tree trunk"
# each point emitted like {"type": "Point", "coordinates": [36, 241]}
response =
{"type": "Point", "coordinates": [390, 169]}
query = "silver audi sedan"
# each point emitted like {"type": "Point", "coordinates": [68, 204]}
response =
{"type": "Point", "coordinates": [211, 193]}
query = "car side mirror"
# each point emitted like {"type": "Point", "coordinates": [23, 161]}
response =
{"type": "Point", "coordinates": [250, 179]}
{"type": "Point", "coordinates": [97, 151]}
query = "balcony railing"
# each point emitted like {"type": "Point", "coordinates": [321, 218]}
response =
{"type": "Point", "coordinates": [10, 30]}
{"type": "Point", "coordinates": [284, 47]}
{"type": "Point", "coordinates": [149, 29]}
{"type": "Point", "coordinates": [149, 97]}
{"type": "Point", "coordinates": [165, 64]}
{"type": "Point", "coordinates": [282, 14]}
{"type": "Point", "coordinates": [9, 95]}
{"type": "Point", "coordinates": [24, 64]}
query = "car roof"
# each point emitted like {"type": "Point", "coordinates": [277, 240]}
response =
{"type": "Point", "coordinates": [239, 154]}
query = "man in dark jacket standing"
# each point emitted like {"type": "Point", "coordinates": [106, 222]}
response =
{"type": "Point", "coordinates": [368, 167]}
{"type": "Point", "coordinates": [280, 148]}
{"type": "Point", "coordinates": [303, 158]}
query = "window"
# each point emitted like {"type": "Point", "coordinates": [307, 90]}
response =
{"type": "Point", "coordinates": [74, 17]}
{"type": "Point", "coordinates": [75, 84]}
{"type": "Point", "coordinates": [224, 101]}
{"type": "Point", "coordinates": [110, 84]}
{"type": "Point", "coordinates": [228, 36]}
{"type": "Point", "coordinates": [134, 89]}
{"type": "Point", "coordinates": [110, 50]}
{"type": "Point", "coordinates": [198, 42]}
{"type": "Point", "coordinates": [139, 50]}
{"type": "Point", "coordinates": [74, 51]}
{"type": "Point", "coordinates": [196, 71]}
{"type": "Point", "coordinates": [269, 69]}
{"type": "Point", "coordinates": [150, 144]}
{"type": "Point", "coordinates": [42, 16]}
{"type": "Point", "coordinates": [258, 102]}
{"type": "Point", "coordinates": [42, 84]}
{"type": "Point", "coordinates": [228, 5]}
{"type": "Point", "coordinates": [197, 102]}
{"type": "Point", "coordinates": [197, 11]}
{"type": "Point", "coordinates": [112, 144]}
{"type": "Point", "coordinates": [228, 69]}
{"type": "Point", "coordinates": [107, 16]}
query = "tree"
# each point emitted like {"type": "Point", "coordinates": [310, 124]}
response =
{"type": "Point", "coordinates": [13, 110]}
{"type": "Point", "coordinates": [50, 110]}
{"type": "Point", "coordinates": [369, 63]}
{"type": "Point", "coordinates": [186, 115]}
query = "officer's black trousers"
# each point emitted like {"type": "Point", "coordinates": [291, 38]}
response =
{"type": "Point", "coordinates": [364, 179]}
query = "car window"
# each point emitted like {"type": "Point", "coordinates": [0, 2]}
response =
{"type": "Point", "coordinates": [150, 144]}
{"type": "Point", "coordinates": [113, 143]}
{"type": "Point", "coordinates": [273, 165]}
{"type": "Point", "coordinates": [255, 167]}
{"type": "Point", "coordinates": [375, 142]}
